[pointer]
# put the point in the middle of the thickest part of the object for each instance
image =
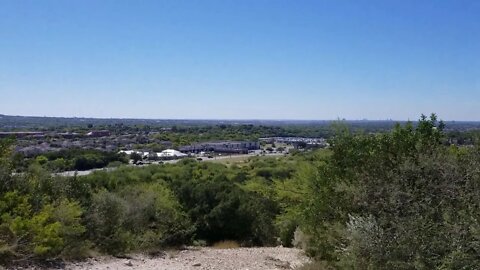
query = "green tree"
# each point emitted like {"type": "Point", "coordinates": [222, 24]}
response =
{"type": "Point", "coordinates": [136, 157]}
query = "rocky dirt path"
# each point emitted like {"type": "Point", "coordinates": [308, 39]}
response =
{"type": "Point", "coordinates": [203, 259]}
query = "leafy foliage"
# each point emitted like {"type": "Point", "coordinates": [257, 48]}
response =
{"type": "Point", "coordinates": [403, 199]}
{"type": "Point", "coordinates": [45, 216]}
{"type": "Point", "coordinates": [399, 200]}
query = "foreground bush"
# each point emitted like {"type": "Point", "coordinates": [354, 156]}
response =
{"type": "Point", "coordinates": [400, 200]}
{"type": "Point", "coordinates": [52, 231]}
{"type": "Point", "coordinates": [141, 217]}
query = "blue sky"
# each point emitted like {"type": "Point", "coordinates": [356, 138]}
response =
{"type": "Point", "coordinates": [241, 59]}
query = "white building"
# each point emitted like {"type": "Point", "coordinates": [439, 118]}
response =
{"type": "Point", "coordinates": [129, 152]}
{"type": "Point", "coordinates": [171, 153]}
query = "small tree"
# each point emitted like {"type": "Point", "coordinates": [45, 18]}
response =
{"type": "Point", "coordinates": [136, 157]}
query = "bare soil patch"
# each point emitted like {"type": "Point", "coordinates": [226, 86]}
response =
{"type": "Point", "coordinates": [272, 258]}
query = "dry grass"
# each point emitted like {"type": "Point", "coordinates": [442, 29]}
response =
{"type": "Point", "coordinates": [231, 160]}
{"type": "Point", "coordinates": [227, 244]}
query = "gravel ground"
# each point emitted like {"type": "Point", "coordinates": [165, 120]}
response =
{"type": "Point", "coordinates": [202, 259]}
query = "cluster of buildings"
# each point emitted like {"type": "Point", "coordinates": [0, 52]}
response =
{"type": "Point", "coordinates": [237, 147]}
{"type": "Point", "coordinates": [35, 143]}
{"type": "Point", "coordinates": [297, 141]}
{"type": "Point", "coordinates": [163, 155]}
{"type": "Point", "coordinates": [66, 135]}
{"type": "Point", "coordinates": [232, 147]}
{"type": "Point", "coordinates": [21, 134]}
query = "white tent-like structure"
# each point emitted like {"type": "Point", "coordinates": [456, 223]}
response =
{"type": "Point", "coordinates": [129, 152]}
{"type": "Point", "coordinates": [171, 153]}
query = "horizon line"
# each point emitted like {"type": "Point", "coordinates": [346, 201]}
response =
{"type": "Point", "coordinates": [226, 119]}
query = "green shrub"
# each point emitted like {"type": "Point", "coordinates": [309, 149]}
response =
{"type": "Point", "coordinates": [69, 215]}
{"type": "Point", "coordinates": [106, 219]}
{"type": "Point", "coordinates": [399, 200]}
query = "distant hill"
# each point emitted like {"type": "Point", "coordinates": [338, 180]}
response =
{"type": "Point", "coordinates": [12, 122]}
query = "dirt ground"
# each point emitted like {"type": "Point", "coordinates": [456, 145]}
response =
{"type": "Point", "coordinates": [202, 259]}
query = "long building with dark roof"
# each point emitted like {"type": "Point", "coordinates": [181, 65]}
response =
{"type": "Point", "coordinates": [239, 147]}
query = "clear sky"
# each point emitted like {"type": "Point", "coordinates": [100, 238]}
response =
{"type": "Point", "coordinates": [242, 59]}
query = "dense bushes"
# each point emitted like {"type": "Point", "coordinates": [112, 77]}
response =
{"type": "Point", "coordinates": [132, 209]}
{"type": "Point", "coordinates": [81, 159]}
{"type": "Point", "coordinates": [139, 217]}
{"type": "Point", "coordinates": [211, 194]}
{"type": "Point", "coordinates": [70, 160]}
{"type": "Point", "coordinates": [49, 217]}
{"type": "Point", "coordinates": [53, 230]}
{"type": "Point", "coordinates": [399, 200]}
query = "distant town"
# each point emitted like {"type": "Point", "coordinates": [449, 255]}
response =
{"type": "Point", "coordinates": [70, 144]}
{"type": "Point", "coordinates": [31, 143]}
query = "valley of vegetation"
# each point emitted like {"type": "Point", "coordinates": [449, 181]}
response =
{"type": "Point", "coordinates": [398, 199]}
